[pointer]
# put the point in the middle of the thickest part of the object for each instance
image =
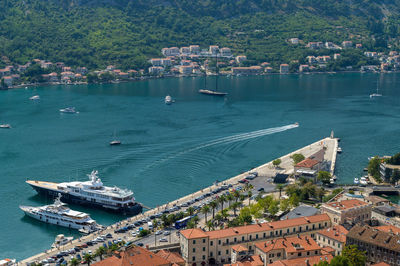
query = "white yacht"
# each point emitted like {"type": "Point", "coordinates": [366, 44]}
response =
{"type": "Point", "coordinates": [377, 92]}
{"type": "Point", "coordinates": [69, 110]}
{"type": "Point", "coordinates": [363, 181]}
{"type": "Point", "coordinates": [91, 193]}
{"type": "Point", "coordinates": [34, 98]}
{"type": "Point", "coordinates": [61, 240]}
{"type": "Point", "coordinates": [5, 126]}
{"type": "Point", "coordinates": [339, 150]}
{"type": "Point", "coordinates": [59, 214]}
{"type": "Point", "coordinates": [356, 182]}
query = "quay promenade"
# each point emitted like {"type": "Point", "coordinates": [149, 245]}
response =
{"type": "Point", "coordinates": [265, 171]}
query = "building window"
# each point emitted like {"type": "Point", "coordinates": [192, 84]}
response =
{"type": "Point", "coordinates": [219, 242]}
{"type": "Point", "coordinates": [211, 254]}
{"type": "Point", "coordinates": [194, 250]}
{"type": "Point", "coordinates": [326, 224]}
{"type": "Point", "coordinates": [299, 254]}
{"type": "Point", "coordinates": [329, 241]}
{"type": "Point", "coordinates": [256, 236]}
{"type": "Point", "coordinates": [219, 253]}
{"type": "Point", "coordinates": [194, 258]}
{"type": "Point", "coordinates": [211, 243]}
{"type": "Point", "coordinates": [204, 248]}
{"type": "Point", "coordinates": [264, 235]}
{"type": "Point", "coordinates": [271, 234]}
{"type": "Point", "coordinates": [278, 254]}
{"type": "Point", "coordinates": [313, 226]}
{"type": "Point", "coordinates": [287, 230]}
{"type": "Point", "coordinates": [204, 257]}
{"type": "Point", "coordinates": [250, 237]}
{"type": "Point", "coordinates": [316, 252]}
{"type": "Point", "coordinates": [338, 245]}
{"type": "Point", "coordinates": [294, 229]}
{"type": "Point", "coordinates": [280, 232]}
{"type": "Point", "coordinates": [299, 228]}
{"type": "Point", "coordinates": [319, 238]}
{"type": "Point", "coordinates": [227, 251]}
{"type": "Point", "coordinates": [194, 241]}
{"type": "Point", "coordinates": [235, 239]}
{"type": "Point", "coordinates": [242, 238]}
{"type": "Point", "coordinates": [308, 253]}
{"type": "Point", "coordinates": [319, 225]}
{"type": "Point", "coordinates": [204, 240]}
{"type": "Point", "coordinates": [227, 241]}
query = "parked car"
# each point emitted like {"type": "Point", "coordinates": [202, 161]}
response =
{"type": "Point", "coordinates": [140, 244]}
{"type": "Point", "coordinates": [163, 240]}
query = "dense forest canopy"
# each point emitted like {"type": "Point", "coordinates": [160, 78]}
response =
{"type": "Point", "coordinates": [95, 33]}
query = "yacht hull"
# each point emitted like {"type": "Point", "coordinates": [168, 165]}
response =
{"type": "Point", "coordinates": [135, 209]}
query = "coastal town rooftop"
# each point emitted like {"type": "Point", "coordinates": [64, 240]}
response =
{"type": "Point", "coordinates": [346, 204]}
{"type": "Point", "coordinates": [289, 244]}
{"type": "Point", "coordinates": [336, 232]}
{"type": "Point", "coordinates": [254, 228]}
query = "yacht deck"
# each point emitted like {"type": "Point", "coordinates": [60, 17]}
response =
{"type": "Point", "coordinates": [43, 184]}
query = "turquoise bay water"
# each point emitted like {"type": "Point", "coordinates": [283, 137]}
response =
{"type": "Point", "coordinates": [169, 151]}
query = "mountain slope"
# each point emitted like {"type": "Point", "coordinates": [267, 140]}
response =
{"type": "Point", "coordinates": [95, 33]}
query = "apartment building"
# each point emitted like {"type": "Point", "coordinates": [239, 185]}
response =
{"type": "Point", "coordinates": [198, 246]}
{"type": "Point", "coordinates": [378, 245]}
{"type": "Point", "coordinates": [284, 69]}
{"type": "Point", "coordinates": [334, 237]}
{"type": "Point", "coordinates": [352, 211]}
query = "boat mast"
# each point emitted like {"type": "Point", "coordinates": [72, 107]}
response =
{"type": "Point", "coordinates": [217, 71]}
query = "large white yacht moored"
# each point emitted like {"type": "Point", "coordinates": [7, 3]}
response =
{"type": "Point", "coordinates": [91, 193]}
{"type": "Point", "coordinates": [59, 214]}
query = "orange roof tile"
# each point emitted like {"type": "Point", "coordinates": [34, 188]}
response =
{"type": "Point", "coordinates": [337, 233]}
{"type": "Point", "coordinates": [346, 204]}
{"type": "Point", "coordinates": [134, 256]}
{"type": "Point", "coordinates": [289, 244]}
{"type": "Point", "coordinates": [305, 261]}
{"type": "Point", "coordinates": [327, 250]}
{"type": "Point", "coordinates": [307, 163]}
{"type": "Point", "coordinates": [388, 228]}
{"type": "Point", "coordinates": [380, 264]}
{"type": "Point", "coordinates": [171, 256]}
{"type": "Point", "coordinates": [239, 248]}
{"type": "Point", "coordinates": [254, 228]}
{"type": "Point", "coordinates": [250, 261]}
{"type": "Point", "coordinates": [193, 233]}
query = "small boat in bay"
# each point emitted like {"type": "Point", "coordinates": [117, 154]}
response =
{"type": "Point", "coordinates": [61, 240]}
{"type": "Point", "coordinates": [115, 140]}
{"type": "Point", "coordinates": [69, 110]}
{"type": "Point", "coordinates": [34, 98]}
{"type": "Point", "coordinates": [168, 100]}
{"type": "Point", "coordinates": [5, 126]}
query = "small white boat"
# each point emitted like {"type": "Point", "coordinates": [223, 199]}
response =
{"type": "Point", "coordinates": [363, 181]}
{"type": "Point", "coordinates": [115, 142]}
{"type": "Point", "coordinates": [5, 126]}
{"type": "Point", "coordinates": [61, 240]}
{"type": "Point", "coordinates": [339, 150]}
{"type": "Point", "coordinates": [168, 100]}
{"type": "Point", "coordinates": [69, 110]}
{"type": "Point", "coordinates": [34, 98]}
{"type": "Point", "coordinates": [356, 181]}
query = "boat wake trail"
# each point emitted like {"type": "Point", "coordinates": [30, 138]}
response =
{"type": "Point", "coordinates": [225, 141]}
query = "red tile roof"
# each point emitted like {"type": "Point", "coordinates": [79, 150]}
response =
{"type": "Point", "coordinates": [380, 264]}
{"type": "Point", "coordinates": [171, 257]}
{"type": "Point", "coordinates": [289, 244]}
{"type": "Point", "coordinates": [193, 233]}
{"type": "Point", "coordinates": [134, 256]}
{"type": "Point", "coordinates": [305, 261]}
{"type": "Point", "coordinates": [239, 248]}
{"type": "Point", "coordinates": [336, 232]}
{"type": "Point", "coordinates": [307, 163]}
{"type": "Point", "coordinates": [254, 228]}
{"type": "Point", "coordinates": [346, 204]}
{"type": "Point", "coordinates": [388, 228]}
{"type": "Point", "coordinates": [251, 261]}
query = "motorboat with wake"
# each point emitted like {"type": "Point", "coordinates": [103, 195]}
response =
{"type": "Point", "coordinates": [59, 214]}
{"type": "Point", "coordinates": [5, 126]}
{"type": "Point", "coordinates": [91, 193]}
{"type": "Point", "coordinates": [34, 98]}
{"type": "Point", "coordinates": [69, 110]}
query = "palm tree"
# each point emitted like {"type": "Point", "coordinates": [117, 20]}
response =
{"type": "Point", "coordinates": [229, 198]}
{"type": "Point", "coordinates": [210, 225]}
{"type": "Point", "coordinates": [225, 214]}
{"type": "Point", "coordinates": [248, 187]}
{"type": "Point", "coordinates": [213, 204]}
{"type": "Point", "coordinates": [100, 252]}
{"type": "Point", "coordinates": [221, 200]}
{"type": "Point", "coordinates": [74, 262]}
{"type": "Point", "coordinates": [234, 207]}
{"type": "Point", "coordinates": [236, 195]}
{"type": "Point", "coordinates": [190, 210]}
{"type": "Point", "coordinates": [280, 187]}
{"type": "Point", "coordinates": [156, 223]}
{"type": "Point", "coordinates": [195, 220]}
{"type": "Point", "coordinates": [205, 211]}
{"type": "Point", "coordinates": [88, 258]}
{"type": "Point", "coordinates": [249, 194]}
{"type": "Point", "coordinates": [219, 217]}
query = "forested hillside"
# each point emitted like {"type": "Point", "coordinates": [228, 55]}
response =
{"type": "Point", "coordinates": [95, 33]}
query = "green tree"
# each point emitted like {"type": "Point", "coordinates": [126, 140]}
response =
{"type": "Point", "coordinates": [229, 198]}
{"type": "Point", "coordinates": [297, 157]}
{"type": "Point", "coordinates": [234, 207]}
{"type": "Point", "coordinates": [74, 262]}
{"type": "Point", "coordinates": [355, 256]}
{"type": "Point", "coordinates": [144, 233]}
{"type": "Point", "coordinates": [213, 204]}
{"type": "Point", "coordinates": [236, 195]}
{"type": "Point", "coordinates": [324, 177]}
{"type": "Point", "coordinates": [210, 225]}
{"type": "Point", "coordinates": [373, 168]}
{"type": "Point", "coordinates": [274, 207]}
{"type": "Point", "coordinates": [395, 177]}
{"type": "Point", "coordinates": [284, 204]}
{"type": "Point", "coordinates": [280, 187]}
{"type": "Point", "coordinates": [294, 200]}
{"type": "Point", "coordinates": [205, 210]}
{"type": "Point", "coordinates": [88, 258]}
{"type": "Point", "coordinates": [100, 252]}
{"type": "Point", "coordinates": [276, 162]}
{"type": "Point", "coordinates": [221, 201]}
{"type": "Point", "coordinates": [190, 211]}
{"type": "Point", "coordinates": [249, 194]}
